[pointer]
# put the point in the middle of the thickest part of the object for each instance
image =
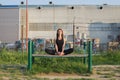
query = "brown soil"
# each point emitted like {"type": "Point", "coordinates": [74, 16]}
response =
{"type": "Point", "coordinates": [100, 72]}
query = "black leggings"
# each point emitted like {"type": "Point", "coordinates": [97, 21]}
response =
{"type": "Point", "coordinates": [52, 52]}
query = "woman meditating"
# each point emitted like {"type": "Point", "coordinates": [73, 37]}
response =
{"type": "Point", "coordinates": [60, 42]}
{"type": "Point", "coordinates": [59, 45]}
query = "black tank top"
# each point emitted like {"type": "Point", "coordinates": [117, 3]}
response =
{"type": "Point", "coordinates": [60, 44]}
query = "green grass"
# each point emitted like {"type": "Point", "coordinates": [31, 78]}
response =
{"type": "Point", "coordinates": [107, 57]}
{"type": "Point", "coordinates": [57, 65]}
{"type": "Point", "coordinates": [10, 59]}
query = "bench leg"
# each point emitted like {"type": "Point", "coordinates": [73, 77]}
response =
{"type": "Point", "coordinates": [90, 56]}
{"type": "Point", "coordinates": [84, 60]}
{"type": "Point", "coordinates": [29, 55]}
{"type": "Point", "coordinates": [33, 59]}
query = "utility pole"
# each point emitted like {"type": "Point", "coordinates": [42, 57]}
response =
{"type": "Point", "coordinates": [26, 25]}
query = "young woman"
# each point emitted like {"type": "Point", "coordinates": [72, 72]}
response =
{"type": "Point", "coordinates": [60, 42]}
{"type": "Point", "coordinates": [59, 45]}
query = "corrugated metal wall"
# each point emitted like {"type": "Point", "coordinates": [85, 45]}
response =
{"type": "Point", "coordinates": [90, 21]}
{"type": "Point", "coordinates": [9, 24]}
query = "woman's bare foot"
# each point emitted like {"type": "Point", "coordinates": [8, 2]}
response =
{"type": "Point", "coordinates": [58, 53]}
{"type": "Point", "coordinates": [61, 54]}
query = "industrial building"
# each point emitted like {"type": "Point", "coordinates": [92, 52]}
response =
{"type": "Point", "coordinates": [89, 21]}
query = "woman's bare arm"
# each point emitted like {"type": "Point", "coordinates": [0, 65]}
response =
{"type": "Point", "coordinates": [63, 46]}
{"type": "Point", "coordinates": [56, 47]}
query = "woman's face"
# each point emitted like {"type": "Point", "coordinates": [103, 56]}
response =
{"type": "Point", "coordinates": [60, 32]}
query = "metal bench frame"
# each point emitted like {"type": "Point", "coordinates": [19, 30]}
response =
{"type": "Point", "coordinates": [31, 56]}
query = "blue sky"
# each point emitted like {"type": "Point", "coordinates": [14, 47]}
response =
{"type": "Point", "coordinates": [62, 2]}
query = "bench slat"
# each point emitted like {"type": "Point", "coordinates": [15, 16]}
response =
{"type": "Point", "coordinates": [69, 55]}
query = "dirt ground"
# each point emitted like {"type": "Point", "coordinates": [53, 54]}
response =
{"type": "Point", "coordinates": [100, 72]}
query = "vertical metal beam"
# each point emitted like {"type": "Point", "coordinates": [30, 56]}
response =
{"type": "Point", "coordinates": [33, 50]}
{"type": "Point", "coordinates": [30, 55]}
{"type": "Point", "coordinates": [22, 27]}
{"type": "Point", "coordinates": [85, 49]}
{"type": "Point", "coordinates": [90, 56]}
{"type": "Point", "coordinates": [73, 32]}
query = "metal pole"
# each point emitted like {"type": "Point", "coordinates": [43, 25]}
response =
{"type": "Point", "coordinates": [90, 56]}
{"type": "Point", "coordinates": [22, 29]}
{"type": "Point", "coordinates": [30, 55]}
{"type": "Point", "coordinates": [22, 38]}
{"type": "Point", "coordinates": [26, 25]}
{"type": "Point", "coordinates": [22, 42]}
{"type": "Point", "coordinates": [85, 48]}
{"type": "Point", "coordinates": [73, 33]}
{"type": "Point", "coordinates": [33, 50]}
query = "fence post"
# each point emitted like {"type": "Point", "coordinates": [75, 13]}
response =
{"type": "Point", "coordinates": [33, 50]}
{"type": "Point", "coordinates": [89, 56]}
{"type": "Point", "coordinates": [30, 55]}
{"type": "Point", "coordinates": [85, 48]}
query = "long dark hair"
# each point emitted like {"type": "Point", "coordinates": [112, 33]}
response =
{"type": "Point", "coordinates": [57, 35]}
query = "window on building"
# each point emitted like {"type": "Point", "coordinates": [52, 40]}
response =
{"type": "Point", "coordinates": [49, 26]}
